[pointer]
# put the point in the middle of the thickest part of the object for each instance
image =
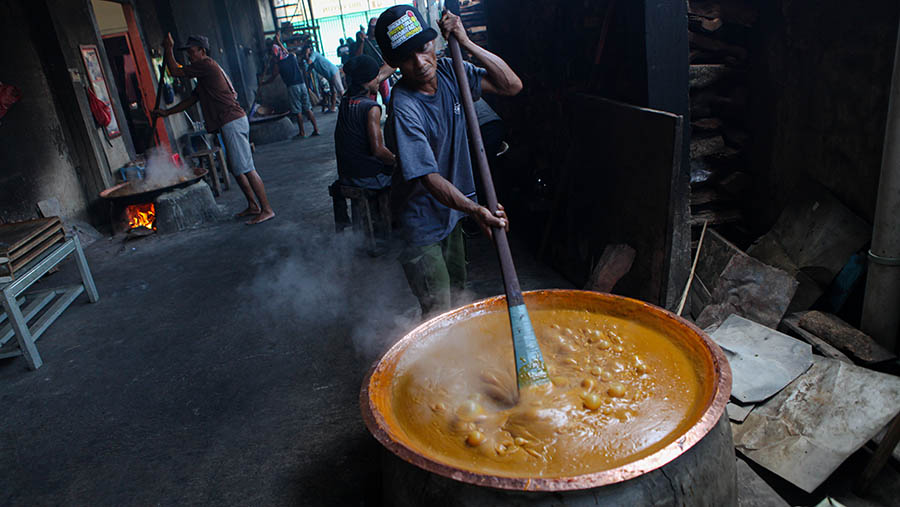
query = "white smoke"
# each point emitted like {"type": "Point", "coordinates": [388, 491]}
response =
{"type": "Point", "coordinates": [160, 171]}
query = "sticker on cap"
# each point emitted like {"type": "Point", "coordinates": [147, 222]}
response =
{"type": "Point", "coordinates": [403, 29]}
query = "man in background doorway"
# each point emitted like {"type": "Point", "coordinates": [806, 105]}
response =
{"type": "Point", "coordinates": [222, 113]}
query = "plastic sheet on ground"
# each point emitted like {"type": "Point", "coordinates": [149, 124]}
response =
{"type": "Point", "coordinates": [762, 360]}
{"type": "Point", "coordinates": [806, 431]}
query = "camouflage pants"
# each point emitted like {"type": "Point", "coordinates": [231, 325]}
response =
{"type": "Point", "coordinates": [436, 272]}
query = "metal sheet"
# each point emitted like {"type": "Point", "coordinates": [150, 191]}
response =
{"type": "Point", "coordinates": [805, 432]}
{"type": "Point", "coordinates": [753, 491]}
{"type": "Point", "coordinates": [762, 360]}
{"type": "Point", "coordinates": [750, 288]}
{"type": "Point", "coordinates": [737, 412]}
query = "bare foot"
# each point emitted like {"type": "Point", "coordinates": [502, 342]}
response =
{"type": "Point", "coordinates": [262, 217]}
{"type": "Point", "coordinates": [251, 210]}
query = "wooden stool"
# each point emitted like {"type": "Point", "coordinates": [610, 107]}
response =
{"type": "Point", "coordinates": [210, 156]}
{"type": "Point", "coordinates": [361, 197]}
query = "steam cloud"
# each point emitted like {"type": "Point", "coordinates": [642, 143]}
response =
{"type": "Point", "coordinates": [159, 171]}
{"type": "Point", "coordinates": [324, 278]}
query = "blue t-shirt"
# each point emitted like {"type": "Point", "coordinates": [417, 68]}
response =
{"type": "Point", "coordinates": [320, 64]}
{"type": "Point", "coordinates": [428, 135]}
{"type": "Point", "coordinates": [289, 70]}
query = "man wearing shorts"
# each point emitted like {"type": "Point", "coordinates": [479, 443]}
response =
{"type": "Point", "coordinates": [315, 61]}
{"type": "Point", "coordinates": [222, 113]}
{"type": "Point", "coordinates": [287, 66]}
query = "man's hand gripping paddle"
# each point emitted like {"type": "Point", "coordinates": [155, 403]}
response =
{"type": "Point", "coordinates": [530, 367]}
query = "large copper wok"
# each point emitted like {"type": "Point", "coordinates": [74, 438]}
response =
{"type": "Point", "coordinates": [378, 412]}
{"type": "Point", "coordinates": [130, 193]}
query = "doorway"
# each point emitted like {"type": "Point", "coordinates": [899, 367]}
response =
{"type": "Point", "coordinates": [131, 70]}
{"type": "Point", "coordinates": [121, 62]}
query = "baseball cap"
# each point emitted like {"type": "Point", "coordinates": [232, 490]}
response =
{"type": "Point", "coordinates": [361, 69]}
{"type": "Point", "coordinates": [198, 41]}
{"type": "Point", "coordinates": [400, 30]}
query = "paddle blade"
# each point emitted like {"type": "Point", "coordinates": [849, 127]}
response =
{"type": "Point", "coordinates": [530, 367]}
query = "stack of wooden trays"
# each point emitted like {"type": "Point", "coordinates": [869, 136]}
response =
{"type": "Point", "coordinates": [23, 242]}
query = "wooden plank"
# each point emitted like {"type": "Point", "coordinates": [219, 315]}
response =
{"type": "Point", "coordinates": [792, 323]}
{"type": "Point", "coordinates": [844, 337]}
{"type": "Point", "coordinates": [716, 217]}
{"type": "Point", "coordinates": [588, 219]}
{"type": "Point", "coordinates": [23, 250]}
{"type": "Point", "coordinates": [704, 75]}
{"type": "Point", "coordinates": [706, 196]}
{"type": "Point", "coordinates": [16, 234]}
{"type": "Point", "coordinates": [614, 263]}
{"type": "Point", "coordinates": [707, 146]}
{"type": "Point", "coordinates": [35, 252]}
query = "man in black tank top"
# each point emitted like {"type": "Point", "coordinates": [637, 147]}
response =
{"type": "Point", "coordinates": [362, 158]}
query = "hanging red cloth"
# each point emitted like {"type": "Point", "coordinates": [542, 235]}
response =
{"type": "Point", "coordinates": [9, 95]}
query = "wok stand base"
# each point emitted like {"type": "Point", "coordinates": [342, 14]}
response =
{"type": "Point", "coordinates": [705, 475]}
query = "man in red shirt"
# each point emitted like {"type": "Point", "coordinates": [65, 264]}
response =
{"type": "Point", "coordinates": [222, 113]}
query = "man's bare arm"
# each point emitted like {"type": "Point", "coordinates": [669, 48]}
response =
{"type": "Point", "coordinates": [448, 195]}
{"type": "Point", "coordinates": [175, 70]}
{"type": "Point", "coordinates": [385, 72]}
{"type": "Point", "coordinates": [177, 108]}
{"type": "Point", "coordinates": [376, 138]}
{"type": "Point", "coordinates": [500, 78]}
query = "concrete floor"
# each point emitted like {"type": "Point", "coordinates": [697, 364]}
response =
{"type": "Point", "coordinates": [222, 365]}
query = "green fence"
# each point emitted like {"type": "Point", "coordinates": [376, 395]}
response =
{"type": "Point", "coordinates": [332, 30]}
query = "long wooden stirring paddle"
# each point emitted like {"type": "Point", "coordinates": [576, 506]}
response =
{"type": "Point", "coordinates": [530, 367]}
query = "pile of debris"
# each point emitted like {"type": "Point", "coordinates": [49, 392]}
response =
{"type": "Point", "coordinates": [809, 389]}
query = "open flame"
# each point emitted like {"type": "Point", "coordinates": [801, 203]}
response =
{"type": "Point", "coordinates": [141, 215]}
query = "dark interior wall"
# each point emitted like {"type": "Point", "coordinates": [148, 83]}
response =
{"type": "Point", "coordinates": [248, 45]}
{"type": "Point", "coordinates": [74, 24]}
{"type": "Point", "coordinates": [234, 32]}
{"type": "Point", "coordinates": [820, 89]}
{"type": "Point", "coordinates": [553, 46]}
{"type": "Point", "coordinates": [35, 160]}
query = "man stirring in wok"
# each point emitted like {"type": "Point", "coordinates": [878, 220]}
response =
{"type": "Point", "coordinates": [433, 187]}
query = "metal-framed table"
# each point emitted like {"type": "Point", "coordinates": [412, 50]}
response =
{"type": "Point", "coordinates": [18, 316]}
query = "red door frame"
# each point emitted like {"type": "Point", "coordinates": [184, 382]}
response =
{"type": "Point", "coordinates": [144, 73]}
